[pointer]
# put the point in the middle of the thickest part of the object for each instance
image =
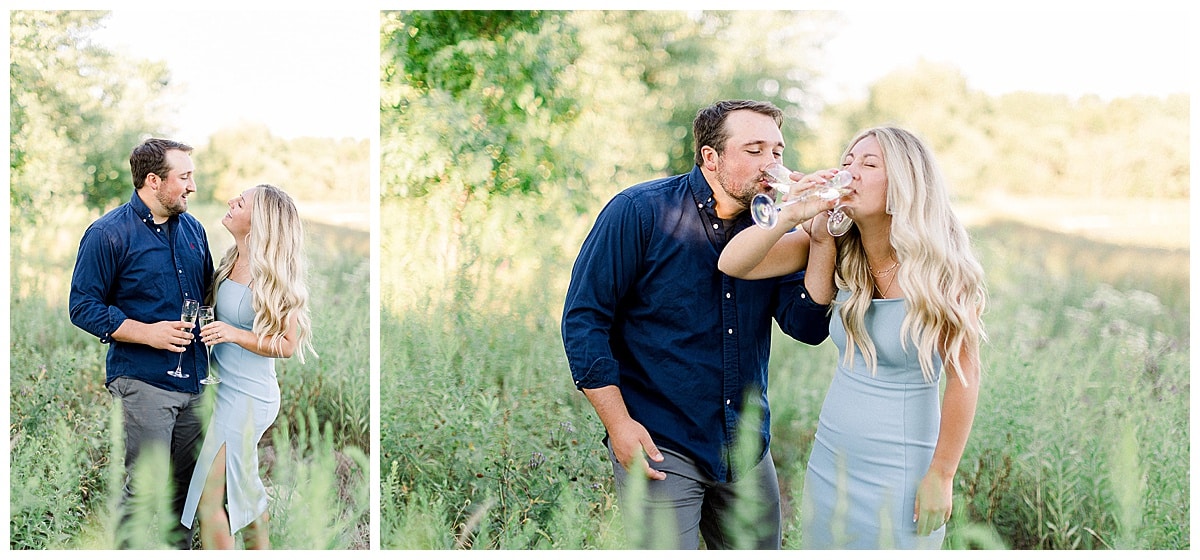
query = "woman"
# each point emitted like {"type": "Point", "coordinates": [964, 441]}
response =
{"type": "Point", "coordinates": [908, 304]}
{"type": "Point", "coordinates": [262, 313]}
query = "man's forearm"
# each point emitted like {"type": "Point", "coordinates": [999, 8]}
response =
{"type": "Point", "coordinates": [131, 331]}
{"type": "Point", "coordinates": [609, 405]}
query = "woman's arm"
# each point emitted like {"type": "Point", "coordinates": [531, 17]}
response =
{"type": "Point", "coordinates": [218, 332]}
{"type": "Point", "coordinates": [935, 494]}
{"type": "Point", "coordinates": [757, 253]}
{"type": "Point", "coordinates": [822, 261]}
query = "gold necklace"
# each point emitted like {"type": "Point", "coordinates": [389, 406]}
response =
{"type": "Point", "coordinates": [882, 272]}
{"type": "Point", "coordinates": [883, 291]}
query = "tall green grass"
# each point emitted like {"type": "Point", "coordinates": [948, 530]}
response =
{"type": "Point", "coordinates": [1081, 439]}
{"type": "Point", "coordinates": [65, 466]}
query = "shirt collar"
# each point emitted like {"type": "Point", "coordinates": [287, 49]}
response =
{"type": "Point", "coordinates": [703, 194]}
{"type": "Point", "coordinates": [143, 212]}
{"type": "Point", "coordinates": [701, 191]}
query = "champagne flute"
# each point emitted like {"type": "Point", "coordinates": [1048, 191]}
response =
{"type": "Point", "coordinates": [765, 211]}
{"type": "Point", "coordinates": [838, 223]}
{"type": "Point", "coordinates": [207, 316]}
{"type": "Point", "coordinates": [191, 308]}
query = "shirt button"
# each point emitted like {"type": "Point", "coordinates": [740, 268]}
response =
{"type": "Point", "coordinates": [727, 401]}
{"type": "Point", "coordinates": [803, 295]}
{"type": "Point", "coordinates": [715, 226]}
{"type": "Point", "coordinates": [730, 331]}
{"type": "Point", "coordinates": [728, 295]}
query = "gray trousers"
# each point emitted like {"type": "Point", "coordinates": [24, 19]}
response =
{"type": "Point", "coordinates": [170, 421]}
{"type": "Point", "coordinates": [675, 512]}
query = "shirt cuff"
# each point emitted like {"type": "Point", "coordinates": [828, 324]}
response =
{"type": "Point", "coordinates": [602, 373]}
{"type": "Point", "coordinates": [115, 318]}
{"type": "Point", "coordinates": [805, 300]}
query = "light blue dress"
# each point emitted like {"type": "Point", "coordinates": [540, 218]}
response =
{"type": "Point", "coordinates": [874, 443]}
{"type": "Point", "coordinates": [247, 404]}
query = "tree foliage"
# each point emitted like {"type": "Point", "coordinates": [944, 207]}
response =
{"type": "Point", "coordinates": [477, 104]}
{"type": "Point", "coordinates": [1022, 143]}
{"type": "Point", "coordinates": [309, 169]}
{"type": "Point", "coordinates": [472, 99]}
{"type": "Point", "coordinates": [76, 111]}
{"type": "Point", "coordinates": [502, 103]}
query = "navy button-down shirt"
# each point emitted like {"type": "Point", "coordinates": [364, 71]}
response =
{"type": "Point", "coordinates": [648, 311]}
{"type": "Point", "coordinates": [130, 267]}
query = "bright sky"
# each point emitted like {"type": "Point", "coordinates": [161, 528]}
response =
{"type": "Point", "coordinates": [314, 73]}
{"type": "Point", "coordinates": [301, 73]}
{"type": "Point", "coordinates": [1109, 53]}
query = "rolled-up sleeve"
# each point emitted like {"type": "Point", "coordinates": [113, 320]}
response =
{"type": "Point", "coordinates": [95, 267]}
{"type": "Point", "coordinates": [797, 314]}
{"type": "Point", "coordinates": [604, 270]}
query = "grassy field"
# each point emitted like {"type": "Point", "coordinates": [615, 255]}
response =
{"type": "Point", "coordinates": [1081, 439]}
{"type": "Point", "coordinates": [63, 482]}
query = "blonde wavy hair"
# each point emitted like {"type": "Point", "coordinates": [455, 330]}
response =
{"type": "Point", "coordinates": [940, 277]}
{"type": "Point", "coordinates": [277, 270]}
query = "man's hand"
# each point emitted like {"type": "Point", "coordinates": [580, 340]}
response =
{"type": "Point", "coordinates": [164, 335]}
{"type": "Point", "coordinates": [629, 439]}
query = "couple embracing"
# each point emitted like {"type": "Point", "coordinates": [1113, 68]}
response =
{"type": "Point", "coordinates": [136, 267]}
{"type": "Point", "coordinates": [667, 331]}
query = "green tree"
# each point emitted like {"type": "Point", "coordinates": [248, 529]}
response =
{"type": "Point", "coordinates": [1021, 143]}
{"type": "Point", "coordinates": [76, 112]}
{"type": "Point", "coordinates": [310, 169]}
{"type": "Point", "coordinates": [688, 60]}
{"type": "Point", "coordinates": [547, 114]}
{"type": "Point", "coordinates": [472, 99]}
{"type": "Point", "coordinates": [512, 102]}
{"type": "Point", "coordinates": [237, 158]}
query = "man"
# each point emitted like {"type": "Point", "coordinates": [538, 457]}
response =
{"type": "Point", "coordinates": [668, 349]}
{"type": "Point", "coordinates": [136, 265]}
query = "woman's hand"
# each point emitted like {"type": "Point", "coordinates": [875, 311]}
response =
{"type": "Point", "coordinates": [818, 232]}
{"type": "Point", "coordinates": [792, 215]}
{"type": "Point", "coordinates": [218, 332]}
{"type": "Point", "coordinates": [935, 495]}
{"type": "Point", "coordinates": [935, 499]}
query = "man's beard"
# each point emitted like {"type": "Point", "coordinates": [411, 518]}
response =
{"type": "Point", "coordinates": [173, 205]}
{"type": "Point", "coordinates": [742, 193]}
